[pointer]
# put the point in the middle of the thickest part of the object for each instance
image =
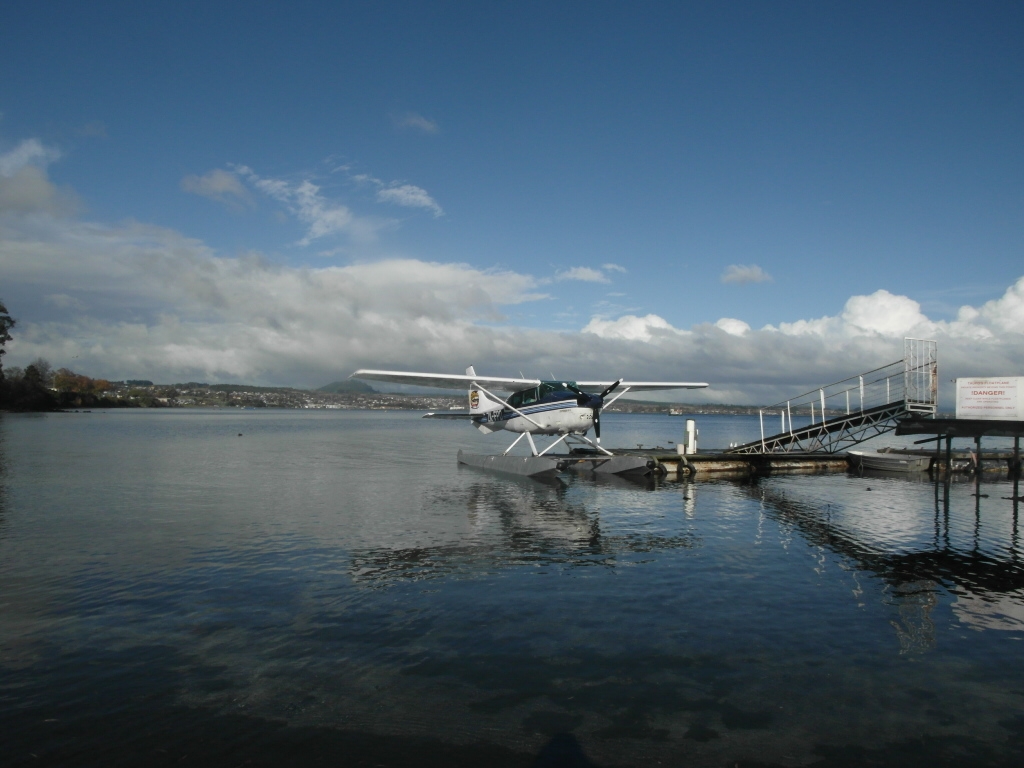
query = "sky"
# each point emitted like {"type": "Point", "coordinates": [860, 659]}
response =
{"type": "Point", "coordinates": [766, 196]}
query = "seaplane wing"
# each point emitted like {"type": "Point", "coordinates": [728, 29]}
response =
{"type": "Point", "coordinates": [444, 380]}
{"type": "Point", "coordinates": [457, 381]}
{"type": "Point", "coordinates": [642, 386]}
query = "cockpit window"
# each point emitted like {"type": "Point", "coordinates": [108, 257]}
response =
{"type": "Point", "coordinates": [525, 397]}
{"type": "Point", "coordinates": [530, 396]}
{"type": "Point", "coordinates": [551, 387]}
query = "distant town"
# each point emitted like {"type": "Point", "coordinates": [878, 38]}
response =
{"type": "Point", "coordinates": [340, 395]}
{"type": "Point", "coordinates": [38, 387]}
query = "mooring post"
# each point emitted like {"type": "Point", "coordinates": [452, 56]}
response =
{"type": "Point", "coordinates": [977, 450]}
{"type": "Point", "coordinates": [949, 456]}
{"type": "Point", "coordinates": [1016, 457]}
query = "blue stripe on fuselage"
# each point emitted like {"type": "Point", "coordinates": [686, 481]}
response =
{"type": "Point", "coordinates": [541, 407]}
{"type": "Point", "coordinates": [553, 401]}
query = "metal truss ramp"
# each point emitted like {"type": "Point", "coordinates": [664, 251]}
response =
{"type": "Point", "coordinates": [836, 417]}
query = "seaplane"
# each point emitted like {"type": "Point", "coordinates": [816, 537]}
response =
{"type": "Point", "coordinates": [560, 408]}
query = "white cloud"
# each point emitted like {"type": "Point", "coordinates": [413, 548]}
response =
{"type": "Point", "coordinates": [322, 217]}
{"type": "Point", "coordinates": [409, 196]}
{"type": "Point", "coordinates": [1005, 314]}
{"type": "Point", "coordinates": [395, 192]}
{"type": "Point", "coordinates": [418, 122]}
{"type": "Point", "coordinates": [884, 314]}
{"type": "Point", "coordinates": [732, 326]}
{"type": "Point", "coordinates": [63, 301]}
{"type": "Point", "coordinates": [28, 152]}
{"type": "Point", "coordinates": [745, 273]}
{"type": "Point", "coordinates": [583, 274]}
{"type": "Point", "coordinates": [220, 185]}
{"type": "Point", "coordinates": [613, 268]}
{"type": "Point", "coordinates": [28, 191]}
{"type": "Point", "coordinates": [631, 328]}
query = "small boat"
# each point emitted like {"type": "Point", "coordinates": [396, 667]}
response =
{"type": "Point", "coordinates": [891, 462]}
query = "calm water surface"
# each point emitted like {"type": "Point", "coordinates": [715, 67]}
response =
{"type": "Point", "coordinates": [262, 588]}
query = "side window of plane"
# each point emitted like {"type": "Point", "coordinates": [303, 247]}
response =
{"type": "Point", "coordinates": [550, 389]}
{"type": "Point", "coordinates": [530, 396]}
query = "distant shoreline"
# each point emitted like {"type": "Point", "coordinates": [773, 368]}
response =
{"type": "Point", "coordinates": [250, 396]}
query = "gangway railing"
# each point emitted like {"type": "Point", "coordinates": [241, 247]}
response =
{"type": "Point", "coordinates": [837, 416]}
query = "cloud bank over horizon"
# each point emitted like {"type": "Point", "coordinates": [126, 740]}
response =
{"type": "Point", "coordinates": [135, 300]}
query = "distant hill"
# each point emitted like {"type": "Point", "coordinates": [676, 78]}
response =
{"type": "Point", "coordinates": [243, 388]}
{"type": "Point", "coordinates": [348, 385]}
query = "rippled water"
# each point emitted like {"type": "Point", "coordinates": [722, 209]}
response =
{"type": "Point", "coordinates": [226, 588]}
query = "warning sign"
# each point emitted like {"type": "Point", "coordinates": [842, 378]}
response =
{"type": "Point", "coordinates": [996, 398]}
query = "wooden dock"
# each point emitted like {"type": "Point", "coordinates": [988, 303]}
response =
{"type": "Point", "coordinates": [946, 430]}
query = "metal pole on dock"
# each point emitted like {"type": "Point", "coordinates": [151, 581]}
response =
{"type": "Point", "coordinates": [760, 415]}
{"type": "Point", "coordinates": [789, 412]}
{"type": "Point", "coordinates": [822, 393]}
{"type": "Point", "coordinates": [861, 393]}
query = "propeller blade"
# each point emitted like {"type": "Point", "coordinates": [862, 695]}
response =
{"type": "Point", "coordinates": [610, 389]}
{"type": "Point", "coordinates": [582, 398]}
{"type": "Point", "coordinates": [597, 424]}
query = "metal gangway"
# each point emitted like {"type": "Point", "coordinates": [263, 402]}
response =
{"type": "Point", "coordinates": [837, 416]}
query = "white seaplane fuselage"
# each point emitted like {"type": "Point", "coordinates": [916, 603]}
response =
{"type": "Point", "coordinates": [567, 419]}
{"type": "Point", "coordinates": [548, 409]}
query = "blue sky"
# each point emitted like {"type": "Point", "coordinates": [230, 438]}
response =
{"type": "Point", "coordinates": [283, 193]}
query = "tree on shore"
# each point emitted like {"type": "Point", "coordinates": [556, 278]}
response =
{"type": "Point", "coordinates": [26, 391]}
{"type": "Point", "coordinates": [6, 323]}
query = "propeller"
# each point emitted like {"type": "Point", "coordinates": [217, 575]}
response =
{"type": "Point", "coordinates": [594, 402]}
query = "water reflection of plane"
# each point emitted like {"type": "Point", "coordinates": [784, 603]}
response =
{"type": "Point", "coordinates": [989, 584]}
{"type": "Point", "coordinates": [516, 521]}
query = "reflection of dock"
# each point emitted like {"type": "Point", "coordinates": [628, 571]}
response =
{"type": "Point", "coordinates": [983, 569]}
{"type": "Point", "coordinates": [658, 461]}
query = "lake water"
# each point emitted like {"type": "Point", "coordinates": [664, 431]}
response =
{"type": "Point", "coordinates": [329, 587]}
